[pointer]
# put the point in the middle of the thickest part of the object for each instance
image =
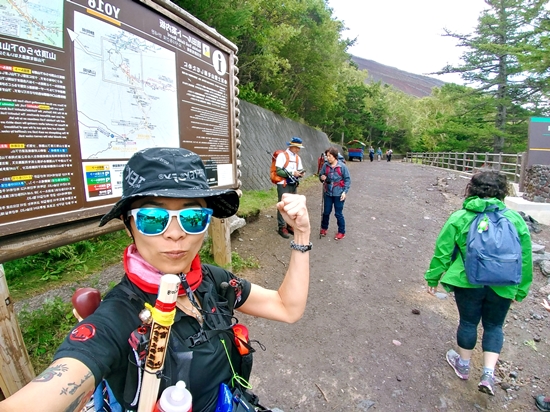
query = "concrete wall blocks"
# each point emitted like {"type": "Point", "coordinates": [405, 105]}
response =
{"type": "Point", "coordinates": [263, 132]}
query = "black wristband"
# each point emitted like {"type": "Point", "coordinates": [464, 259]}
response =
{"type": "Point", "coordinates": [301, 248]}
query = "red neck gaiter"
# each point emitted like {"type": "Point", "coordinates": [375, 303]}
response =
{"type": "Point", "coordinates": [147, 278]}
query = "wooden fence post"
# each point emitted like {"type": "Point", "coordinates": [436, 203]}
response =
{"type": "Point", "coordinates": [523, 171]}
{"type": "Point", "coordinates": [15, 365]}
{"type": "Point", "coordinates": [468, 162]}
{"type": "Point", "coordinates": [221, 242]}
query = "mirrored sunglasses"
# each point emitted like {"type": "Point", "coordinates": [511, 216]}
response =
{"type": "Point", "coordinates": [154, 221]}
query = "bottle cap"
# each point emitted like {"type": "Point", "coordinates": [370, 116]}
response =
{"type": "Point", "coordinates": [179, 393]}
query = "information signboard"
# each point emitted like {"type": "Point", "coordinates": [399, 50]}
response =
{"type": "Point", "coordinates": [539, 141]}
{"type": "Point", "coordinates": [84, 84]}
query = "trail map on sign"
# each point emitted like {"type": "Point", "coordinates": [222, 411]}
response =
{"type": "Point", "coordinates": [34, 20]}
{"type": "Point", "coordinates": [125, 91]}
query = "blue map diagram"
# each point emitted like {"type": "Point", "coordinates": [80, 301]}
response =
{"type": "Point", "coordinates": [125, 91]}
{"type": "Point", "coordinates": [35, 20]}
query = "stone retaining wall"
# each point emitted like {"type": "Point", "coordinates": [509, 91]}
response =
{"type": "Point", "coordinates": [536, 187]}
{"type": "Point", "coordinates": [263, 132]}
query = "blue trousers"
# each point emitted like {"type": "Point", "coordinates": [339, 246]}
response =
{"type": "Point", "coordinates": [338, 213]}
{"type": "Point", "coordinates": [475, 304]}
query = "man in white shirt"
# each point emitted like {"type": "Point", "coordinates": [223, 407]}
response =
{"type": "Point", "coordinates": [289, 166]}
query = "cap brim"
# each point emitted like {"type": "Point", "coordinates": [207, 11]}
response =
{"type": "Point", "coordinates": [224, 202]}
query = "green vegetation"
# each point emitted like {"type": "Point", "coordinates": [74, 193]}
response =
{"type": "Point", "coordinates": [35, 274]}
{"type": "Point", "coordinates": [293, 60]}
{"type": "Point", "coordinates": [253, 201]}
{"type": "Point", "coordinates": [43, 331]}
{"type": "Point", "coordinates": [508, 33]}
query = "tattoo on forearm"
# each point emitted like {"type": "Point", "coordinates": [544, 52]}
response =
{"type": "Point", "coordinates": [75, 405]}
{"type": "Point", "coordinates": [51, 372]}
{"type": "Point", "coordinates": [72, 387]}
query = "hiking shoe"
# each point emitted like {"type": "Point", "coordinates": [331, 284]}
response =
{"type": "Point", "coordinates": [339, 236]}
{"type": "Point", "coordinates": [323, 232]}
{"type": "Point", "coordinates": [463, 372]}
{"type": "Point", "coordinates": [284, 232]}
{"type": "Point", "coordinates": [543, 403]}
{"type": "Point", "coordinates": [290, 230]}
{"type": "Point", "coordinates": [487, 384]}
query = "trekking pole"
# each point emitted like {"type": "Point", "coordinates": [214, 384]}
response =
{"type": "Point", "coordinates": [322, 206]}
{"type": "Point", "coordinates": [290, 176]}
{"type": "Point", "coordinates": [163, 316]}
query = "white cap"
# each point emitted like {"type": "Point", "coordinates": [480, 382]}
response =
{"type": "Point", "coordinates": [179, 393]}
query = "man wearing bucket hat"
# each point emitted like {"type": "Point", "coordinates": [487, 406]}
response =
{"type": "Point", "coordinates": [166, 206]}
{"type": "Point", "coordinates": [290, 167]}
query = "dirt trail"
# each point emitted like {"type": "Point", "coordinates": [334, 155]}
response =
{"type": "Point", "coordinates": [359, 346]}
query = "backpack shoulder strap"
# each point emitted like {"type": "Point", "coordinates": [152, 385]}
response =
{"type": "Point", "coordinates": [216, 274]}
{"type": "Point", "coordinates": [287, 158]}
{"type": "Point", "coordinates": [137, 299]}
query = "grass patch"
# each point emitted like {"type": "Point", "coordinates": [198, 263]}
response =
{"type": "Point", "coordinates": [238, 264]}
{"type": "Point", "coordinates": [79, 261]}
{"type": "Point", "coordinates": [44, 330]}
{"type": "Point", "coordinates": [254, 201]}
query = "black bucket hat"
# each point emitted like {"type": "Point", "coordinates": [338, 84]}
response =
{"type": "Point", "coordinates": [170, 172]}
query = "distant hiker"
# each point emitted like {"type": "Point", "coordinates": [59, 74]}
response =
{"type": "Point", "coordinates": [336, 183]}
{"type": "Point", "coordinates": [371, 153]}
{"type": "Point", "coordinates": [489, 304]}
{"type": "Point", "coordinates": [389, 152]}
{"type": "Point", "coordinates": [289, 168]}
{"type": "Point", "coordinates": [379, 153]}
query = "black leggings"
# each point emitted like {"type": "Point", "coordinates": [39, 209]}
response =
{"type": "Point", "coordinates": [475, 304]}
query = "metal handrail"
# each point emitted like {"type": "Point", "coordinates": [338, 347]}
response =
{"type": "Point", "coordinates": [511, 165]}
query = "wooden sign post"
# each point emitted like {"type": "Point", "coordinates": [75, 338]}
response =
{"type": "Point", "coordinates": [15, 365]}
{"type": "Point", "coordinates": [221, 242]}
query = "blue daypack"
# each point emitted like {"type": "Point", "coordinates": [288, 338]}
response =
{"type": "Point", "coordinates": [493, 250]}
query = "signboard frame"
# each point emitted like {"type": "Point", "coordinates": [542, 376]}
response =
{"type": "Point", "coordinates": [538, 152]}
{"type": "Point", "coordinates": [206, 108]}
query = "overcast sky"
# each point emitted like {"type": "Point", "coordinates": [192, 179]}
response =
{"type": "Point", "coordinates": [407, 34]}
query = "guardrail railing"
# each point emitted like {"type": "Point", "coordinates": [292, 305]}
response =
{"type": "Point", "coordinates": [512, 165]}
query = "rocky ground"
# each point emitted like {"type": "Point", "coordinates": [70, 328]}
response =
{"type": "Point", "coordinates": [360, 345]}
{"type": "Point", "coordinates": [371, 337]}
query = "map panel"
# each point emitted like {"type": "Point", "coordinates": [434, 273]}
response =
{"type": "Point", "coordinates": [125, 91]}
{"type": "Point", "coordinates": [35, 20]}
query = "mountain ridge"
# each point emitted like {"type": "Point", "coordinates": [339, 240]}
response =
{"type": "Point", "coordinates": [413, 84]}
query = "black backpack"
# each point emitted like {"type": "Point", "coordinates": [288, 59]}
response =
{"type": "Point", "coordinates": [223, 325]}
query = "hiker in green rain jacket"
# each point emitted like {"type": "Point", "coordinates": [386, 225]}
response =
{"type": "Point", "coordinates": [490, 304]}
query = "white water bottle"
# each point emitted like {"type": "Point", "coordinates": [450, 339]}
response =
{"type": "Point", "coordinates": [175, 398]}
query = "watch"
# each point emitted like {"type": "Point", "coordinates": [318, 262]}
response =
{"type": "Point", "coordinates": [301, 248]}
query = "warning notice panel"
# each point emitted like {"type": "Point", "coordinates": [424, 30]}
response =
{"type": "Point", "coordinates": [84, 84]}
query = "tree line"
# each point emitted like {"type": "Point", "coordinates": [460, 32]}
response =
{"type": "Point", "coordinates": [293, 60]}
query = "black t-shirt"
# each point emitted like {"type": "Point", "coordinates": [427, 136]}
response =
{"type": "Point", "coordinates": [101, 340]}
